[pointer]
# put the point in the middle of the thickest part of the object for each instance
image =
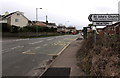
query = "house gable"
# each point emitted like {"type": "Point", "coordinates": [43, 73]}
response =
{"type": "Point", "coordinates": [16, 18]}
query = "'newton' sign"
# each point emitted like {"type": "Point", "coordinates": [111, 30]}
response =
{"type": "Point", "coordinates": [102, 23]}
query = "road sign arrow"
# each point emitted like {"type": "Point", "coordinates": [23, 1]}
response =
{"type": "Point", "coordinates": [90, 17]}
{"type": "Point", "coordinates": [103, 17]}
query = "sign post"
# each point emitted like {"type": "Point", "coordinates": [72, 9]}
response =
{"type": "Point", "coordinates": [85, 32]}
{"type": "Point", "coordinates": [102, 20]}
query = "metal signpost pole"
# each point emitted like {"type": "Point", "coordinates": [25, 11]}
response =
{"type": "Point", "coordinates": [94, 32]}
{"type": "Point", "coordinates": [95, 35]}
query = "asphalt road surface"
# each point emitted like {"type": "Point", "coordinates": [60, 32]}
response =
{"type": "Point", "coordinates": [21, 56]}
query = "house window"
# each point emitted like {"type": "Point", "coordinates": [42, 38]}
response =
{"type": "Point", "coordinates": [18, 14]}
{"type": "Point", "coordinates": [16, 20]}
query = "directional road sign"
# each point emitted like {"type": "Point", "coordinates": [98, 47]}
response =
{"type": "Point", "coordinates": [103, 17]}
{"type": "Point", "coordinates": [102, 23]}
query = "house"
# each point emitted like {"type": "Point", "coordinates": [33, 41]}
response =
{"type": "Point", "coordinates": [61, 29]}
{"type": "Point", "coordinates": [112, 29]}
{"type": "Point", "coordinates": [117, 27]}
{"type": "Point", "coordinates": [16, 18]}
{"type": "Point", "coordinates": [50, 25]}
{"type": "Point", "coordinates": [71, 29]}
{"type": "Point", "coordinates": [39, 23]}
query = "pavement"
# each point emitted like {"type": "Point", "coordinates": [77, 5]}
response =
{"type": "Point", "coordinates": [67, 59]}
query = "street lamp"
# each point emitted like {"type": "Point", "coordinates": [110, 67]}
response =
{"type": "Point", "coordinates": [37, 19]}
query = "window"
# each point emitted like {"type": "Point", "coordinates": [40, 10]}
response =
{"type": "Point", "coordinates": [16, 20]}
{"type": "Point", "coordinates": [18, 14]}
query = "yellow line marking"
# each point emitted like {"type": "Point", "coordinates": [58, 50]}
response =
{"type": "Point", "coordinates": [28, 52]}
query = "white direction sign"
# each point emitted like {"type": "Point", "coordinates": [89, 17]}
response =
{"type": "Point", "coordinates": [103, 17]}
{"type": "Point", "coordinates": [102, 23]}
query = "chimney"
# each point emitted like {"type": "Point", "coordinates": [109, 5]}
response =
{"type": "Point", "coordinates": [46, 19]}
{"type": "Point", "coordinates": [6, 13]}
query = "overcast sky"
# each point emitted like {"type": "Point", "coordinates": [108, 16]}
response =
{"type": "Point", "coordinates": [69, 12]}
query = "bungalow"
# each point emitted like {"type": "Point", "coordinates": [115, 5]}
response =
{"type": "Point", "coordinates": [50, 25]}
{"type": "Point", "coordinates": [61, 29]}
{"type": "Point", "coordinates": [39, 23]}
{"type": "Point", "coordinates": [16, 18]}
{"type": "Point", "coordinates": [71, 29]}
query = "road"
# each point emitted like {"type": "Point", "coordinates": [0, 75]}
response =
{"type": "Point", "coordinates": [21, 56]}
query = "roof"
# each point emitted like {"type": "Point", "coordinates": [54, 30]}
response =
{"type": "Point", "coordinates": [40, 24]}
{"type": "Point", "coordinates": [5, 16]}
{"type": "Point", "coordinates": [113, 25]}
{"type": "Point", "coordinates": [49, 23]}
{"type": "Point", "coordinates": [71, 28]}
{"type": "Point", "coordinates": [116, 23]}
{"type": "Point", "coordinates": [61, 27]}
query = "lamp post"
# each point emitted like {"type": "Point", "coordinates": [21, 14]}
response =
{"type": "Point", "coordinates": [37, 19]}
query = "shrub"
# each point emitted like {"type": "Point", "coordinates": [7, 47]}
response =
{"type": "Point", "coordinates": [15, 29]}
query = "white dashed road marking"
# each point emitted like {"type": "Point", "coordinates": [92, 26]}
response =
{"type": "Point", "coordinates": [36, 42]}
{"type": "Point", "coordinates": [37, 47]}
{"type": "Point", "coordinates": [17, 47]}
{"type": "Point", "coordinates": [45, 44]}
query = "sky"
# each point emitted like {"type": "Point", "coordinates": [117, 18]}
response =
{"type": "Point", "coordinates": [66, 12]}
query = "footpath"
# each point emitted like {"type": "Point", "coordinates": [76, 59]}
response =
{"type": "Point", "coordinates": [67, 59]}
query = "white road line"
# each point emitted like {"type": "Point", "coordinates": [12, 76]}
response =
{"type": "Point", "coordinates": [26, 51]}
{"type": "Point", "coordinates": [7, 50]}
{"type": "Point", "coordinates": [36, 42]}
{"type": "Point", "coordinates": [45, 44]}
{"type": "Point", "coordinates": [17, 47]}
{"type": "Point", "coordinates": [49, 39]}
{"type": "Point", "coordinates": [56, 37]}
{"type": "Point", "coordinates": [21, 39]}
{"type": "Point", "coordinates": [37, 47]}
{"type": "Point", "coordinates": [14, 40]}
